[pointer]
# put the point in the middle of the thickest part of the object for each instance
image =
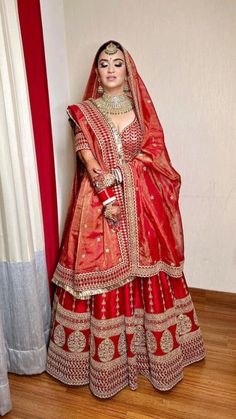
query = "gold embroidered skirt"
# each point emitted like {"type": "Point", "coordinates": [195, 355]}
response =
{"type": "Point", "coordinates": [147, 326]}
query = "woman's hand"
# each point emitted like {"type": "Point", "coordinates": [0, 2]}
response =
{"type": "Point", "coordinates": [92, 166]}
{"type": "Point", "coordinates": [112, 213]}
{"type": "Point", "coordinates": [94, 169]}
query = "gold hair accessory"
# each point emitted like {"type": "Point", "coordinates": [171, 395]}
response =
{"type": "Point", "coordinates": [111, 49]}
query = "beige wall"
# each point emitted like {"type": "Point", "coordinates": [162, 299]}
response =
{"type": "Point", "coordinates": [184, 50]}
{"type": "Point", "coordinates": [52, 13]}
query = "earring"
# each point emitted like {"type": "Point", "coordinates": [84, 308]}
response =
{"type": "Point", "coordinates": [126, 86]}
{"type": "Point", "coordinates": [100, 89]}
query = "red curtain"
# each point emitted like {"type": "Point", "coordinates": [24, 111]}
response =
{"type": "Point", "coordinates": [32, 39]}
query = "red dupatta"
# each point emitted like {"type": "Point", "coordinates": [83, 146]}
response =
{"type": "Point", "coordinates": [94, 258]}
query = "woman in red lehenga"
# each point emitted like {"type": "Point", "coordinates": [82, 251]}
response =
{"type": "Point", "coordinates": [121, 306]}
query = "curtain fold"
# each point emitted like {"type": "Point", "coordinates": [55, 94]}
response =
{"type": "Point", "coordinates": [24, 294]}
{"type": "Point", "coordinates": [5, 400]}
{"type": "Point", "coordinates": [34, 57]}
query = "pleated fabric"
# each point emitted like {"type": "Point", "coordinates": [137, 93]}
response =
{"type": "Point", "coordinates": [24, 298]}
{"type": "Point", "coordinates": [147, 326]}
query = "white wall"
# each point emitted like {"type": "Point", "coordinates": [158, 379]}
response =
{"type": "Point", "coordinates": [184, 50]}
{"type": "Point", "coordinates": [52, 13]}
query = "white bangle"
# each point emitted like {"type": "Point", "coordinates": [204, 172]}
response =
{"type": "Point", "coordinates": [118, 175]}
{"type": "Point", "coordinates": [109, 201]}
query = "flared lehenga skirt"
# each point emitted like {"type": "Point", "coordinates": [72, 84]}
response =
{"type": "Point", "coordinates": [147, 326]}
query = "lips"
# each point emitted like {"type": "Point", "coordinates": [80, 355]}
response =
{"type": "Point", "coordinates": [111, 78]}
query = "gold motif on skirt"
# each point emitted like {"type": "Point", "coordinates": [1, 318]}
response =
{"type": "Point", "coordinates": [151, 342]}
{"type": "Point", "coordinates": [195, 319]}
{"type": "Point", "coordinates": [76, 341]}
{"type": "Point", "coordinates": [59, 335]}
{"type": "Point", "coordinates": [166, 341]}
{"type": "Point", "coordinates": [139, 336]}
{"type": "Point", "coordinates": [138, 339]}
{"type": "Point", "coordinates": [178, 337]}
{"type": "Point", "coordinates": [92, 346]}
{"type": "Point", "coordinates": [106, 350]}
{"type": "Point", "coordinates": [184, 324]}
{"type": "Point", "coordinates": [122, 344]}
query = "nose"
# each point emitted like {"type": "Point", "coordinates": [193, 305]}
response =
{"type": "Point", "coordinates": [111, 68]}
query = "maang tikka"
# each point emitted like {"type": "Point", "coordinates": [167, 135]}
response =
{"type": "Point", "coordinates": [111, 49]}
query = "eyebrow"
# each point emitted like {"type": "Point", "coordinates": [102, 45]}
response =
{"type": "Point", "coordinates": [116, 59]}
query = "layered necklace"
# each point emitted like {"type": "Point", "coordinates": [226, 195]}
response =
{"type": "Point", "coordinates": [114, 105]}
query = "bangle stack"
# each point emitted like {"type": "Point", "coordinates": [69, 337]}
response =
{"type": "Point", "coordinates": [118, 175]}
{"type": "Point", "coordinates": [105, 180]}
{"type": "Point", "coordinates": [107, 196]}
{"type": "Point", "coordinates": [103, 183]}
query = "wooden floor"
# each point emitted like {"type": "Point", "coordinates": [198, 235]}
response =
{"type": "Point", "coordinates": [207, 391]}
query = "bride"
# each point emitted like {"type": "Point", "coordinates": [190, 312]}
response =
{"type": "Point", "coordinates": [121, 305]}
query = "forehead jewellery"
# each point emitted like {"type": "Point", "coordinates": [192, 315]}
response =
{"type": "Point", "coordinates": [111, 49]}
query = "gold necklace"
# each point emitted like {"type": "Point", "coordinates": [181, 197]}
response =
{"type": "Point", "coordinates": [114, 105]}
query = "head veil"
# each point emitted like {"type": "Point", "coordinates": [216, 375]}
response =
{"type": "Point", "coordinates": [153, 137]}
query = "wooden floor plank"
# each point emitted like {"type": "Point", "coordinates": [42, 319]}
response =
{"type": "Point", "coordinates": [208, 390]}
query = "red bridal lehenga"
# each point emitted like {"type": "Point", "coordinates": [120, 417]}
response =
{"type": "Point", "coordinates": [122, 305]}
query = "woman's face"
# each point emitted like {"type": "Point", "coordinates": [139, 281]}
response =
{"type": "Point", "coordinates": [112, 71]}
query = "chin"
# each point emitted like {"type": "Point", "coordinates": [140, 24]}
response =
{"type": "Point", "coordinates": [114, 87]}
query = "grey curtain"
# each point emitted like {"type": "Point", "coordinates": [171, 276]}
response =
{"type": "Point", "coordinates": [24, 321]}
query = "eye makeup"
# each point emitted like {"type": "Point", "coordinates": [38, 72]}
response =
{"type": "Point", "coordinates": [118, 62]}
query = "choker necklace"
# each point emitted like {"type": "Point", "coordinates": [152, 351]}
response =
{"type": "Point", "coordinates": [114, 105]}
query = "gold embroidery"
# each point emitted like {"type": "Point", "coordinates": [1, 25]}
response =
{"type": "Point", "coordinates": [139, 336]}
{"type": "Point", "coordinates": [195, 319]}
{"type": "Point", "coordinates": [59, 335]}
{"type": "Point", "coordinates": [108, 365]}
{"type": "Point", "coordinates": [166, 342]}
{"type": "Point", "coordinates": [138, 340]}
{"type": "Point", "coordinates": [76, 341]}
{"type": "Point", "coordinates": [151, 341]}
{"type": "Point", "coordinates": [122, 344]}
{"type": "Point", "coordinates": [184, 324]}
{"type": "Point", "coordinates": [83, 295]}
{"type": "Point", "coordinates": [190, 337]}
{"type": "Point", "coordinates": [117, 302]}
{"type": "Point", "coordinates": [64, 355]}
{"type": "Point", "coordinates": [106, 350]}
{"type": "Point", "coordinates": [92, 346]}
{"type": "Point", "coordinates": [118, 142]}
{"type": "Point", "coordinates": [103, 310]}
{"type": "Point", "coordinates": [131, 211]}
{"type": "Point", "coordinates": [72, 320]}
{"type": "Point", "coordinates": [183, 305]}
{"type": "Point", "coordinates": [164, 371]}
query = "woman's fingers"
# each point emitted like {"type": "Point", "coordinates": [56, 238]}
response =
{"type": "Point", "coordinates": [116, 212]}
{"type": "Point", "coordinates": [97, 169]}
{"type": "Point", "coordinates": [113, 215]}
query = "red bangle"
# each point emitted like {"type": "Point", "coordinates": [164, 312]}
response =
{"type": "Point", "coordinates": [107, 196]}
